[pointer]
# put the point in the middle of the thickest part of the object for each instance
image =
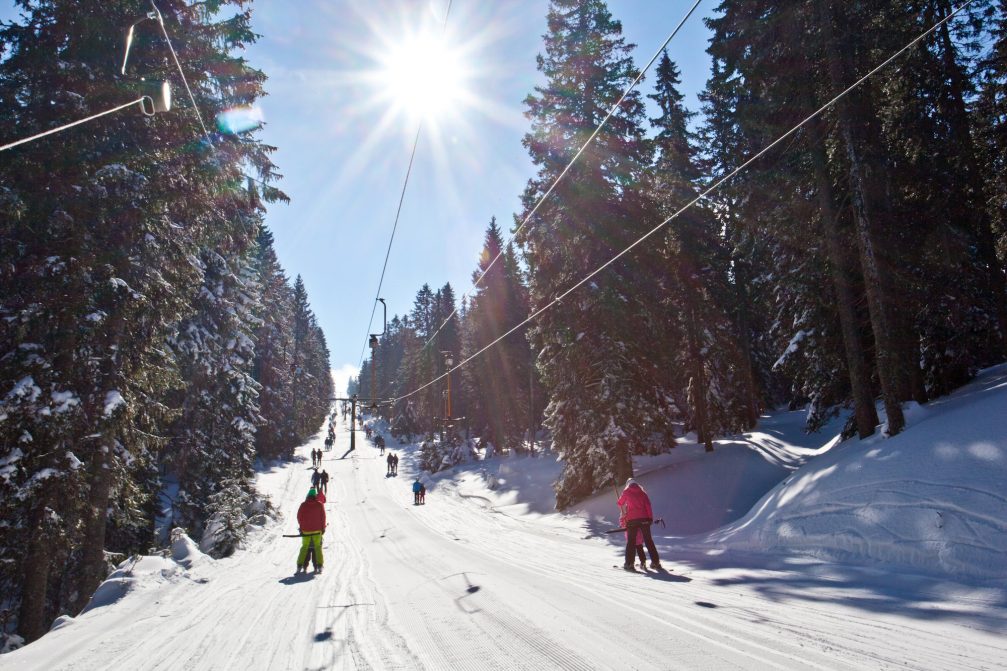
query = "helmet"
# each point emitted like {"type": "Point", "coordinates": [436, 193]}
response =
{"type": "Point", "coordinates": [630, 481]}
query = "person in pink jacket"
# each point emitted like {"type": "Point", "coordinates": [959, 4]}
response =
{"type": "Point", "coordinates": [635, 507]}
{"type": "Point", "coordinates": [637, 542]}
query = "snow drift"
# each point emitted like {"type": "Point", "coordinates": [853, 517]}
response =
{"type": "Point", "coordinates": [931, 499]}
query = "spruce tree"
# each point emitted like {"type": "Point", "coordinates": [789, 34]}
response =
{"type": "Point", "coordinates": [604, 403]}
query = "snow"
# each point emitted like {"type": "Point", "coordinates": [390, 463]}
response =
{"type": "Point", "coordinates": [113, 401]}
{"type": "Point", "coordinates": [23, 390]}
{"type": "Point", "coordinates": [785, 550]}
{"type": "Point", "coordinates": [793, 346]}
{"type": "Point", "coordinates": [64, 401]}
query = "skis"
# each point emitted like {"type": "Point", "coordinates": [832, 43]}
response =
{"type": "Point", "coordinates": [642, 571]}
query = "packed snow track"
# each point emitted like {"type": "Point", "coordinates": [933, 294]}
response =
{"type": "Point", "coordinates": [456, 584]}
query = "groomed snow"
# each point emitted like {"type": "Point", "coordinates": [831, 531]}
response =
{"type": "Point", "coordinates": [786, 551]}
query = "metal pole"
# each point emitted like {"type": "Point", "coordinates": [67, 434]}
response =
{"type": "Point", "coordinates": [353, 423]}
{"type": "Point", "coordinates": [531, 412]}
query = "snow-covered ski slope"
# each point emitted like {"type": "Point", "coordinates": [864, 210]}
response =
{"type": "Point", "coordinates": [485, 576]}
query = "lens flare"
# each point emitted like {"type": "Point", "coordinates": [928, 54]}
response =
{"type": "Point", "coordinates": [239, 120]}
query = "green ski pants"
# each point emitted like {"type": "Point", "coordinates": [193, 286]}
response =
{"type": "Point", "coordinates": [307, 541]}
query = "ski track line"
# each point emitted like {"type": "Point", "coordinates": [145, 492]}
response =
{"type": "Point", "coordinates": [699, 635]}
{"type": "Point", "coordinates": [513, 648]}
{"type": "Point", "coordinates": [694, 634]}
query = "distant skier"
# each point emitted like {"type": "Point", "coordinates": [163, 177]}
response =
{"type": "Point", "coordinates": [391, 461]}
{"type": "Point", "coordinates": [325, 482]}
{"type": "Point", "coordinates": [316, 479]}
{"type": "Point", "coordinates": [311, 523]}
{"type": "Point", "coordinates": [635, 507]}
{"type": "Point", "coordinates": [417, 486]}
{"type": "Point", "coordinates": [395, 464]}
{"type": "Point", "coordinates": [423, 493]}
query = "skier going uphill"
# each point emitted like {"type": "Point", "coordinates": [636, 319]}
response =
{"type": "Point", "coordinates": [635, 507]}
{"type": "Point", "coordinates": [311, 521]}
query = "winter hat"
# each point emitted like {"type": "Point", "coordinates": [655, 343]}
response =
{"type": "Point", "coordinates": [312, 492]}
{"type": "Point", "coordinates": [630, 482]}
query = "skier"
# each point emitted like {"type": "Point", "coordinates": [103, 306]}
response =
{"type": "Point", "coordinates": [391, 461]}
{"type": "Point", "coordinates": [325, 482]}
{"type": "Point", "coordinates": [638, 542]}
{"type": "Point", "coordinates": [395, 464]}
{"type": "Point", "coordinates": [316, 478]}
{"type": "Point", "coordinates": [311, 524]}
{"type": "Point", "coordinates": [417, 486]}
{"type": "Point", "coordinates": [634, 505]}
{"type": "Point", "coordinates": [423, 493]}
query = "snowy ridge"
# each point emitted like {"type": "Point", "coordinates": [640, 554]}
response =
{"type": "Point", "coordinates": [931, 499]}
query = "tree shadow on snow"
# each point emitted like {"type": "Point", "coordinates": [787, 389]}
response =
{"type": "Point", "coordinates": [871, 590]}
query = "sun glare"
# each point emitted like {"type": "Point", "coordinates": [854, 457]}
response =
{"type": "Point", "coordinates": [423, 77]}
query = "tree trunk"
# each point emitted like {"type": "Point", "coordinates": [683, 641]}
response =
{"type": "Point", "coordinates": [35, 577]}
{"type": "Point", "coordinates": [93, 568]}
{"type": "Point", "coordinates": [745, 343]}
{"type": "Point", "coordinates": [698, 382]}
{"type": "Point", "coordinates": [861, 177]}
{"type": "Point", "coordinates": [979, 205]}
{"type": "Point", "coordinates": [860, 381]}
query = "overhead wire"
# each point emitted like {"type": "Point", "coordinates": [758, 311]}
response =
{"type": "Point", "coordinates": [573, 160]}
{"type": "Point", "coordinates": [713, 187]}
{"type": "Point", "coordinates": [398, 213]}
{"type": "Point", "coordinates": [52, 131]}
{"type": "Point", "coordinates": [178, 64]}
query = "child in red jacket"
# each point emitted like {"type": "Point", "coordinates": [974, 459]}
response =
{"type": "Point", "coordinates": [311, 520]}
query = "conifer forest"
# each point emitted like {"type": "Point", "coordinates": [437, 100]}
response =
{"type": "Point", "coordinates": [154, 352]}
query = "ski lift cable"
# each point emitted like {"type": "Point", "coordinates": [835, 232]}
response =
{"type": "Point", "coordinates": [569, 165]}
{"type": "Point", "coordinates": [398, 212]}
{"type": "Point", "coordinates": [713, 187]}
{"type": "Point", "coordinates": [139, 101]}
{"type": "Point", "coordinates": [171, 47]}
{"type": "Point", "coordinates": [178, 64]}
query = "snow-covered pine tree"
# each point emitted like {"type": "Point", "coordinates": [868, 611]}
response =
{"type": "Point", "coordinates": [497, 381]}
{"type": "Point", "coordinates": [100, 229]}
{"type": "Point", "coordinates": [310, 366]}
{"type": "Point", "coordinates": [274, 353]}
{"type": "Point", "coordinates": [604, 403]}
{"type": "Point", "coordinates": [213, 439]}
{"type": "Point", "coordinates": [698, 344]}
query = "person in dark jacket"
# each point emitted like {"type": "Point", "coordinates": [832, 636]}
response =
{"type": "Point", "coordinates": [390, 459]}
{"type": "Point", "coordinates": [417, 486]}
{"type": "Point", "coordinates": [311, 522]}
{"type": "Point", "coordinates": [634, 504]}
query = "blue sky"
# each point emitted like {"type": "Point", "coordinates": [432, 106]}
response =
{"type": "Point", "coordinates": [343, 146]}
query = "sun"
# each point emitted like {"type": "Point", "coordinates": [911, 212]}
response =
{"type": "Point", "coordinates": [424, 77]}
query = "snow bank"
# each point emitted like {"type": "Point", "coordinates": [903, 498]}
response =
{"type": "Point", "coordinates": [932, 499]}
{"type": "Point", "coordinates": [142, 573]}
